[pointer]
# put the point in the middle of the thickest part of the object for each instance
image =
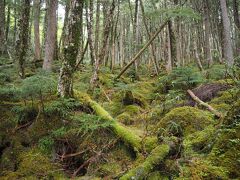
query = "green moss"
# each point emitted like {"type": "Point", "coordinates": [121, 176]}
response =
{"type": "Point", "coordinates": [34, 164]}
{"type": "Point", "coordinates": [123, 132]}
{"type": "Point", "coordinates": [124, 118]}
{"type": "Point", "coordinates": [141, 171]}
{"type": "Point", "coordinates": [202, 169]}
{"type": "Point", "coordinates": [112, 168]}
{"type": "Point", "coordinates": [200, 141]}
{"type": "Point", "coordinates": [188, 119]}
{"type": "Point", "coordinates": [226, 150]}
{"type": "Point", "coordinates": [150, 143]}
{"type": "Point", "coordinates": [156, 176]}
{"type": "Point", "coordinates": [132, 110]}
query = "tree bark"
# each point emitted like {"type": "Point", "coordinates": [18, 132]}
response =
{"type": "Point", "coordinates": [37, 46]}
{"type": "Point", "coordinates": [228, 50]}
{"type": "Point", "coordinates": [2, 26]}
{"type": "Point", "coordinates": [142, 50]}
{"type": "Point", "coordinates": [207, 47]}
{"type": "Point", "coordinates": [50, 42]}
{"type": "Point", "coordinates": [70, 51]}
{"type": "Point", "coordinates": [22, 36]}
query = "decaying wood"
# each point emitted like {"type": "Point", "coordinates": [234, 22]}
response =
{"type": "Point", "coordinates": [200, 102]}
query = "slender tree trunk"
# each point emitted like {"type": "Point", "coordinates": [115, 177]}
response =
{"type": "Point", "coordinates": [237, 23]}
{"type": "Point", "coordinates": [22, 36]}
{"type": "Point", "coordinates": [153, 55]}
{"type": "Point", "coordinates": [228, 50]}
{"type": "Point", "coordinates": [2, 26]}
{"type": "Point", "coordinates": [37, 46]}
{"type": "Point", "coordinates": [51, 35]}
{"type": "Point", "coordinates": [106, 32]}
{"type": "Point", "coordinates": [173, 45]}
{"type": "Point", "coordinates": [71, 47]}
{"type": "Point", "coordinates": [89, 16]}
{"type": "Point", "coordinates": [8, 22]}
{"type": "Point", "coordinates": [96, 43]}
{"type": "Point", "coordinates": [207, 47]}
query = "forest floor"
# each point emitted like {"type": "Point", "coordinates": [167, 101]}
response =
{"type": "Point", "coordinates": [149, 128]}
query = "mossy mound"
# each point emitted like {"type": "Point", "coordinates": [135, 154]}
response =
{"type": "Point", "coordinates": [200, 141]}
{"type": "Point", "coordinates": [226, 150]}
{"type": "Point", "coordinates": [185, 119]}
{"type": "Point", "coordinates": [201, 169]}
{"type": "Point", "coordinates": [125, 118]}
{"type": "Point", "coordinates": [32, 164]}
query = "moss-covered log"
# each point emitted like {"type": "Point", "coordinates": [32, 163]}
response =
{"type": "Point", "coordinates": [123, 132]}
{"type": "Point", "coordinates": [156, 156]}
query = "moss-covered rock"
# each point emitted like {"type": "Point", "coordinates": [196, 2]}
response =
{"type": "Point", "coordinates": [226, 150]}
{"type": "Point", "coordinates": [200, 141]}
{"type": "Point", "coordinates": [185, 119]}
{"type": "Point", "coordinates": [125, 118]}
{"type": "Point", "coordinates": [32, 164]}
{"type": "Point", "coordinates": [201, 169]}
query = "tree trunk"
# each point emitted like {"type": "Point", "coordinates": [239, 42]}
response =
{"type": "Point", "coordinates": [106, 32]}
{"type": "Point", "coordinates": [37, 46]}
{"type": "Point", "coordinates": [207, 47]}
{"type": "Point", "coordinates": [237, 23]}
{"type": "Point", "coordinates": [8, 22]}
{"type": "Point", "coordinates": [142, 50]}
{"type": "Point", "coordinates": [228, 50]}
{"type": "Point", "coordinates": [2, 26]}
{"type": "Point", "coordinates": [22, 36]}
{"type": "Point", "coordinates": [71, 47]}
{"type": "Point", "coordinates": [89, 16]}
{"type": "Point", "coordinates": [173, 45]}
{"type": "Point", "coordinates": [51, 35]}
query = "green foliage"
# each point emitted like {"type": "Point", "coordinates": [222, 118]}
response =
{"type": "Point", "coordinates": [24, 114]}
{"type": "Point", "coordinates": [189, 120]}
{"type": "Point", "coordinates": [4, 78]}
{"type": "Point", "coordinates": [38, 85]}
{"type": "Point", "coordinates": [87, 123]}
{"type": "Point", "coordinates": [181, 78]}
{"type": "Point", "coordinates": [216, 72]}
{"type": "Point", "coordinates": [61, 107]}
{"type": "Point", "coordinates": [46, 144]}
{"type": "Point", "coordinates": [10, 93]}
{"type": "Point", "coordinates": [180, 12]}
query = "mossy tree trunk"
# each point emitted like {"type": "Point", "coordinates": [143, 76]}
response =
{"type": "Point", "coordinates": [2, 26]}
{"type": "Point", "coordinates": [71, 47]}
{"type": "Point", "coordinates": [22, 36]}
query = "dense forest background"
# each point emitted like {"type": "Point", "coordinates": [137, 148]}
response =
{"type": "Point", "coordinates": [119, 89]}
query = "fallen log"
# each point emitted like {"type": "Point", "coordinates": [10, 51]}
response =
{"type": "Point", "coordinates": [125, 134]}
{"type": "Point", "coordinates": [156, 157]}
{"type": "Point", "coordinates": [201, 103]}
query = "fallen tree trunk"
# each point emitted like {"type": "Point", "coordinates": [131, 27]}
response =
{"type": "Point", "coordinates": [142, 50]}
{"type": "Point", "coordinates": [155, 158]}
{"type": "Point", "coordinates": [200, 102]}
{"type": "Point", "coordinates": [126, 135]}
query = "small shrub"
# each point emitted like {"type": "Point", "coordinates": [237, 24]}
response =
{"type": "Point", "coordinates": [61, 107]}
{"type": "Point", "coordinates": [181, 78]}
{"type": "Point", "coordinates": [46, 144]}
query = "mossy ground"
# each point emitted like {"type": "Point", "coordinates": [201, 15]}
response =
{"type": "Point", "coordinates": [164, 139]}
